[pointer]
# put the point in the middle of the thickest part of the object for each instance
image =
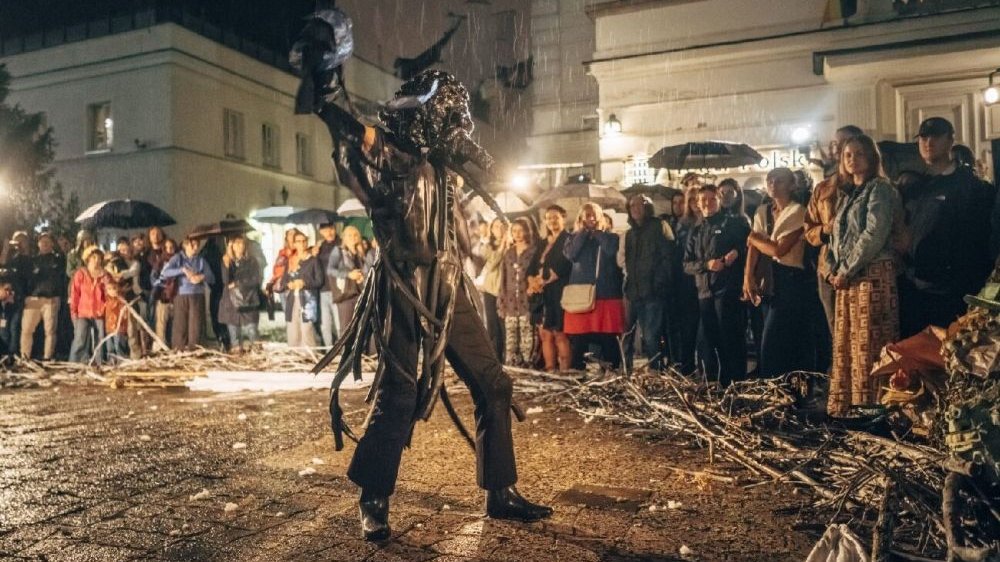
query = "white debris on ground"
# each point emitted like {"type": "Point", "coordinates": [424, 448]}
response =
{"type": "Point", "coordinates": [242, 417]}
{"type": "Point", "coordinates": [671, 504]}
{"type": "Point", "coordinates": [534, 410]}
{"type": "Point", "coordinates": [145, 437]}
{"type": "Point", "coordinates": [230, 506]}
{"type": "Point", "coordinates": [308, 471]}
{"type": "Point", "coordinates": [685, 551]}
{"type": "Point", "coordinates": [317, 460]}
{"type": "Point", "coordinates": [239, 445]}
{"type": "Point", "coordinates": [204, 494]}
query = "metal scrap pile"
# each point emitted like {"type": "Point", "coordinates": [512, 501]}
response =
{"type": "Point", "coordinates": [861, 473]}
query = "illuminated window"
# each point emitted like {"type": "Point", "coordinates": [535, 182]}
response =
{"type": "Point", "coordinates": [271, 151]}
{"type": "Point", "coordinates": [637, 170]}
{"type": "Point", "coordinates": [232, 133]}
{"type": "Point", "coordinates": [303, 154]}
{"type": "Point", "coordinates": [100, 126]}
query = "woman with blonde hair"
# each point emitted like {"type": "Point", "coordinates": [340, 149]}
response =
{"type": "Point", "coordinates": [862, 272]}
{"type": "Point", "coordinates": [493, 249]}
{"type": "Point", "coordinates": [239, 309]}
{"type": "Point", "coordinates": [593, 253]}
{"type": "Point", "coordinates": [349, 263]}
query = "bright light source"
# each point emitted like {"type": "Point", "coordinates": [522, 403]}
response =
{"type": "Point", "coordinates": [991, 95]}
{"type": "Point", "coordinates": [613, 127]}
{"type": "Point", "coordinates": [801, 135]}
{"type": "Point", "coordinates": [520, 182]}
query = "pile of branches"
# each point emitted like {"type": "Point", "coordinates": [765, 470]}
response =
{"type": "Point", "coordinates": [884, 487]}
{"type": "Point", "coordinates": [160, 369]}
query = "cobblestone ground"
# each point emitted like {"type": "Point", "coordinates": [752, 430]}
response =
{"type": "Point", "coordinates": [90, 473]}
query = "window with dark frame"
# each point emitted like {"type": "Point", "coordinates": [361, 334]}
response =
{"type": "Point", "coordinates": [270, 147]}
{"type": "Point", "coordinates": [100, 127]}
{"type": "Point", "coordinates": [303, 154]}
{"type": "Point", "coordinates": [232, 133]}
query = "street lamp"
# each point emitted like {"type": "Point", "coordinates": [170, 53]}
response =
{"type": "Point", "coordinates": [520, 183]}
{"type": "Point", "coordinates": [801, 135]}
{"type": "Point", "coordinates": [612, 127]}
{"type": "Point", "coordinates": [991, 94]}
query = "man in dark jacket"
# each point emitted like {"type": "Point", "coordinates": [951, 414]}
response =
{"type": "Point", "coordinates": [46, 284]}
{"type": "Point", "coordinates": [649, 248]}
{"type": "Point", "coordinates": [715, 253]}
{"type": "Point", "coordinates": [329, 319]}
{"type": "Point", "coordinates": [16, 260]}
{"type": "Point", "coordinates": [948, 221]}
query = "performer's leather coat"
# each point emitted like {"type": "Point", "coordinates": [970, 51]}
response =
{"type": "Point", "coordinates": [413, 199]}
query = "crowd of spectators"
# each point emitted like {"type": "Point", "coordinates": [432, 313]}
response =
{"type": "Point", "coordinates": [86, 304]}
{"type": "Point", "coordinates": [734, 283]}
{"type": "Point", "coordinates": [729, 282]}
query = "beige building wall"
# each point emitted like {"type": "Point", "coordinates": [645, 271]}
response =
{"type": "Point", "coordinates": [169, 89]}
{"type": "Point", "coordinates": [564, 119]}
{"type": "Point", "coordinates": [674, 72]}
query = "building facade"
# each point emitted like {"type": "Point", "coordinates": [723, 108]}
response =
{"type": "Point", "coordinates": [564, 122]}
{"type": "Point", "coordinates": [160, 112]}
{"type": "Point", "coordinates": [782, 76]}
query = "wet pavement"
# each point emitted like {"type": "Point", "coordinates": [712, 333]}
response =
{"type": "Point", "coordinates": [88, 473]}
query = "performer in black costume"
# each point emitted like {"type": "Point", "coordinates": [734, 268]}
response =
{"type": "Point", "coordinates": [416, 301]}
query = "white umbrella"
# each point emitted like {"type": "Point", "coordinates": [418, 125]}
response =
{"type": "Point", "coordinates": [508, 202]}
{"type": "Point", "coordinates": [352, 208]}
{"type": "Point", "coordinates": [274, 215]}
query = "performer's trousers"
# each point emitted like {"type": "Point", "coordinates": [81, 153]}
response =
{"type": "Point", "coordinates": [376, 460]}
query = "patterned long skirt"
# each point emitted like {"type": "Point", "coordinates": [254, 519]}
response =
{"type": "Point", "coordinates": [866, 319]}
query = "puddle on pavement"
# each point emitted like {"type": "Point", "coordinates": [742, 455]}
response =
{"type": "Point", "coordinates": [604, 497]}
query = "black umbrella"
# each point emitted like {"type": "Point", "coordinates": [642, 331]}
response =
{"type": "Point", "coordinates": [222, 228]}
{"type": "Point", "coordinates": [708, 154]}
{"type": "Point", "coordinates": [124, 214]}
{"type": "Point", "coordinates": [313, 216]}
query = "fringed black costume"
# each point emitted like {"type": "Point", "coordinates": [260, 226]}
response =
{"type": "Point", "coordinates": [416, 303]}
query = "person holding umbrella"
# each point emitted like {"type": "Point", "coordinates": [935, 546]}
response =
{"type": "Point", "coordinates": [239, 308]}
{"type": "Point", "coordinates": [194, 276]}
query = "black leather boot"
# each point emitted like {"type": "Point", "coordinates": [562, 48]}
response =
{"type": "Point", "coordinates": [374, 517]}
{"type": "Point", "coordinates": [509, 504]}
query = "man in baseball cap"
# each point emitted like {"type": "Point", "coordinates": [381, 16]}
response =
{"type": "Point", "coordinates": [936, 127]}
{"type": "Point", "coordinates": [948, 219]}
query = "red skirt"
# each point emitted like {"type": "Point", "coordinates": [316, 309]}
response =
{"type": "Point", "coordinates": [608, 317]}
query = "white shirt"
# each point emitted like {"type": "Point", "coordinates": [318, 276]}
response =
{"type": "Point", "coordinates": [790, 219]}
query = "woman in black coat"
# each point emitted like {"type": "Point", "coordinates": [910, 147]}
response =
{"type": "Point", "coordinates": [239, 307]}
{"type": "Point", "coordinates": [549, 276]}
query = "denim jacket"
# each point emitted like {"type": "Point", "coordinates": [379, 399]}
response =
{"type": "Point", "coordinates": [862, 227]}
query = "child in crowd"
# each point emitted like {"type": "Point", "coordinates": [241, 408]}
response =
{"type": "Point", "coordinates": [116, 319]}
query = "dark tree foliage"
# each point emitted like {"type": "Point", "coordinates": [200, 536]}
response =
{"type": "Point", "coordinates": [28, 189]}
